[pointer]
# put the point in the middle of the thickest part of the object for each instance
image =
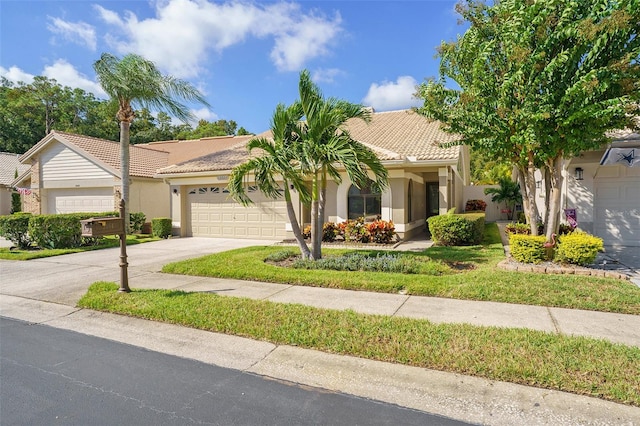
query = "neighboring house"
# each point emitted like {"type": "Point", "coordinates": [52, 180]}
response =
{"type": "Point", "coordinates": [603, 187]}
{"type": "Point", "coordinates": [72, 173]}
{"type": "Point", "coordinates": [425, 179]}
{"type": "Point", "coordinates": [9, 166]}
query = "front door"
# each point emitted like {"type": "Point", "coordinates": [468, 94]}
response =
{"type": "Point", "coordinates": [433, 199]}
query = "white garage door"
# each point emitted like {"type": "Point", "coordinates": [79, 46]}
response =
{"type": "Point", "coordinates": [617, 208]}
{"type": "Point", "coordinates": [214, 214]}
{"type": "Point", "coordinates": [80, 200]}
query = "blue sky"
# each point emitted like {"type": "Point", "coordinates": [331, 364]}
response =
{"type": "Point", "coordinates": [244, 56]}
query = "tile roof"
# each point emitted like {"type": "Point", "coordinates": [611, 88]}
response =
{"type": "Point", "coordinates": [394, 135]}
{"type": "Point", "coordinates": [401, 134]}
{"type": "Point", "coordinates": [143, 161]}
{"type": "Point", "coordinates": [181, 151]}
{"type": "Point", "coordinates": [9, 163]}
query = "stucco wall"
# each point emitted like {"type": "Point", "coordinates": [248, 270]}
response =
{"type": "Point", "coordinates": [151, 197]}
{"type": "Point", "coordinates": [476, 192]}
{"type": "Point", "coordinates": [5, 200]}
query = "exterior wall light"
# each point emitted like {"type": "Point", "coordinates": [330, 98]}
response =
{"type": "Point", "coordinates": [579, 173]}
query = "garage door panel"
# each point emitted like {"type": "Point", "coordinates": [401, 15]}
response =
{"type": "Point", "coordinates": [213, 213]}
{"type": "Point", "coordinates": [85, 200]}
{"type": "Point", "coordinates": [617, 210]}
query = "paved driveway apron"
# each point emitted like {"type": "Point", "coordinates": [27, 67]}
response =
{"type": "Point", "coordinates": [64, 279]}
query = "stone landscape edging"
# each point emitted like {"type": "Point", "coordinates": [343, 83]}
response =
{"type": "Point", "coordinates": [510, 265]}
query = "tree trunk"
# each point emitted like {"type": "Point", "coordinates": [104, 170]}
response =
{"type": "Point", "coordinates": [553, 204]}
{"type": "Point", "coordinates": [295, 226]}
{"type": "Point", "coordinates": [315, 204]}
{"type": "Point", "coordinates": [124, 169]}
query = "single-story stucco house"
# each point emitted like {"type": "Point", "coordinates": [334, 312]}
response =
{"type": "Point", "coordinates": [425, 179]}
{"type": "Point", "coordinates": [603, 186]}
{"type": "Point", "coordinates": [10, 166]}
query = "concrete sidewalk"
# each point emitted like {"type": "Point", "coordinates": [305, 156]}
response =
{"type": "Point", "coordinates": [46, 291]}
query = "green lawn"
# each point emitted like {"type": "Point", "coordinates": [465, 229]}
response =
{"type": "Point", "coordinates": [485, 282]}
{"type": "Point", "coordinates": [574, 364]}
{"type": "Point", "coordinates": [106, 242]}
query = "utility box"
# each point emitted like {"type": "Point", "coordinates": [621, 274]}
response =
{"type": "Point", "coordinates": [102, 226]}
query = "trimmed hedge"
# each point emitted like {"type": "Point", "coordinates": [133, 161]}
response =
{"type": "Point", "coordinates": [578, 248]}
{"type": "Point", "coordinates": [527, 248]}
{"type": "Point", "coordinates": [161, 227]}
{"type": "Point", "coordinates": [15, 228]}
{"type": "Point", "coordinates": [53, 231]}
{"type": "Point", "coordinates": [457, 229]}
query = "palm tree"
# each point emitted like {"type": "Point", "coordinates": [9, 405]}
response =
{"type": "Point", "coordinates": [327, 145]}
{"type": "Point", "coordinates": [132, 81]}
{"type": "Point", "coordinates": [508, 193]}
{"type": "Point", "coordinates": [279, 158]}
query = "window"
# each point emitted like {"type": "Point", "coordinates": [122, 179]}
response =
{"type": "Point", "coordinates": [364, 202]}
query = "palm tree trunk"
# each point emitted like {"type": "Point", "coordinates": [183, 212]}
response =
{"type": "Point", "coordinates": [124, 169]}
{"type": "Point", "coordinates": [315, 204]}
{"type": "Point", "coordinates": [295, 226]}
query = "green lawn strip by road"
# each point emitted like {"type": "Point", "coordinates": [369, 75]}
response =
{"type": "Point", "coordinates": [575, 364]}
{"type": "Point", "coordinates": [486, 282]}
{"type": "Point", "coordinates": [105, 242]}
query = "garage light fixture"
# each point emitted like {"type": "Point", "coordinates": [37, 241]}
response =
{"type": "Point", "coordinates": [579, 173]}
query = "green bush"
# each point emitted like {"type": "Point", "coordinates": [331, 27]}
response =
{"type": "Point", "coordinates": [457, 229]}
{"type": "Point", "coordinates": [15, 228]}
{"type": "Point", "coordinates": [161, 227]}
{"type": "Point", "coordinates": [355, 231]}
{"type": "Point", "coordinates": [517, 228]}
{"type": "Point", "coordinates": [578, 248]}
{"type": "Point", "coordinates": [54, 231]}
{"type": "Point", "coordinates": [16, 202]}
{"type": "Point", "coordinates": [136, 221]}
{"type": "Point", "coordinates": [527, 248]}
{"type": "Point", "coordinates": [329, 232]}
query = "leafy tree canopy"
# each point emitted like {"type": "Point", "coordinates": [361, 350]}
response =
{"type": "Point", "coordinates": [539, 81]}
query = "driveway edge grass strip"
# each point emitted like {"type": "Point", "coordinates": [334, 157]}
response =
{"type": "Point", "coordinates": [579, 365]}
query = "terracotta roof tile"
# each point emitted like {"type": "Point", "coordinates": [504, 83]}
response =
{"type": "Point", "coordinates": [9, 163]}
{"type": "Point", "coordinates": [394, 135]}
{"type": "Point", "coordinates": [143, 161]}
{"type": "Point", "coordinates": [181, 151]}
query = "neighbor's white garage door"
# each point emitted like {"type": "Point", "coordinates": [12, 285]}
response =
{"type": "Point", "coordinates": [214, 214]}
{"type": "Point", "coordinates": [80, 200]}
{"type": "Point", "coordinates": [617, 208]}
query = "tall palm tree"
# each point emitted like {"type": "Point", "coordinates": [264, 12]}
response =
{"type": "Point", "coordinates": [279, 159]}
{"type": "Point", "coordinates": [136, 81]}
{"type": "Point", "coordinates": [328, 146]}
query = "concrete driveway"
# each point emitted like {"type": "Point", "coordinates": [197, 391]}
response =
{"type": "Point", "coordinates": [64, 279]}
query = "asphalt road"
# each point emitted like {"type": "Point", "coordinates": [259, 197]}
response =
{"type": "Point", "coordinates": [51, 376]}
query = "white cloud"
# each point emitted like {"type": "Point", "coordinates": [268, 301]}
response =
{"type": "Point", "coordinates": [77, 32]}
{"type": "Point", "coordinates": [326, 75]}
{"type": "Point", "coordinates": [204, 114]}
{"type": "Point", "coordinates": [16, 75]}
{"type": "Point", "coordinates": [65, 74]}
{"type": "Point", "coordinates": [184, 31]}
{"type": "Point", "coordinates": [391, 95]}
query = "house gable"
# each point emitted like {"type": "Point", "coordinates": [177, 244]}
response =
{"type": "Point", "coordinates": [60, 162]}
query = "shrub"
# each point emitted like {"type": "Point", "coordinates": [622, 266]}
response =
{"type": "Point", "coordinates": [161, 227]}
{"type": "Point", "coordinates": [281, 255]}
{"type": "Point", "coordinates": [565, 229]}
{"type": "Point", "coordinates": [456, 229]}
{"type": "Point", "coordinates": [381, 231]}
{"type": "Point", "coordinates": [16, 202]}
{"type": "Point", "coordinates": [136, 221]}
{"type": "Point", "coordinates": [355, 231]}
{"type": "Point", "coordinates": [517, 228]}
{"type": "Point", "coordinates": [578, 248]}
{"type": "Point", "coordinates": [306, 232]}
{"type": "Point", "coordinates": [329, 232]}
{"type": "Point", "coordinates": [54, 231]}
{"type": "Point", "coordinates": [527, 248]}
{"type": "Point", "coordinates": [361, 262]}
{"type": "Point", "coordinates": [15, 228]}
{"type": "Point", "coordinates": [475, 206]}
